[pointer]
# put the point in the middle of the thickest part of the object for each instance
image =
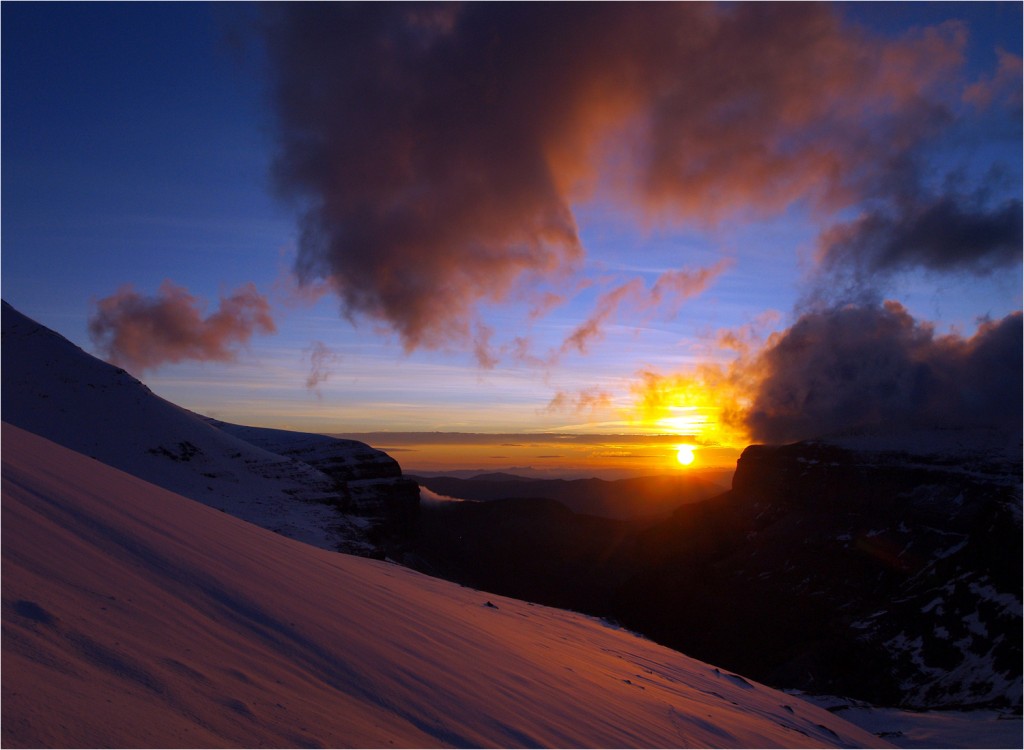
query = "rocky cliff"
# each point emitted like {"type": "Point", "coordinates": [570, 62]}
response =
{"type": "Point", "coordinates": [369, 482]}
{"type": "Point", "coordinates": [886, 569]}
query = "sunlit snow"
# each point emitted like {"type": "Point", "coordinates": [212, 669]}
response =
{"type": "Point", "coordinates": [136, 617]}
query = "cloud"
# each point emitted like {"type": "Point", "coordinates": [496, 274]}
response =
{"type": "Point", "coordinates": [321, 358]}
{"type": "Point", "coordinates": [843, 369]}
{"type": "Point", "coordinates": [587, 399]}
{"type": "Point", "coordinates": [430, 497]}
{"type": "Point", "coordinates": [677, 286]}
{"type": "Point", "coordinates": [436, 151]}
{"type": "Point", "coordinates": [670, 290]}
{"type": "Point", "coordinates": [593, 327]}
{"type": "Point", "coordinates": [141, 333]}
{"type": "Point", "coordinates": [1004, 84]}
{"type": "Point", "coordinates": [870, 367]}
{"type": "Point", "coordinates": [946, 233]}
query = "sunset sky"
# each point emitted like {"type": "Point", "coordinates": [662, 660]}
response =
{"type": "Point", "coordinates": [735, 223]}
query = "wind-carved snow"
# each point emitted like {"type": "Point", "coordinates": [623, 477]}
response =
{"type": "Point", "coordinates": [164, 622]}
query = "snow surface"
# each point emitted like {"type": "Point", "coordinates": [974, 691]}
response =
{"type": "Point", "coordinates": [133, 616]}
{"type": "Point", "coordinates": [929, 729]}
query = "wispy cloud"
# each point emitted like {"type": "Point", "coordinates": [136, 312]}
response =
{"type": "Point", "coordinates": [668, 293]}
{"type": "Point", "coordinates": [321, 360]}
{"type": "Point", "coordinates": [584, 400]}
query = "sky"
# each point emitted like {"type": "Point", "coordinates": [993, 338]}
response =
{"type": "Point", "coordinates": [728, 223]}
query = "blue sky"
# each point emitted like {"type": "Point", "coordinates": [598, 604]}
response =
{"type": "Point", "coordinates": [137, 144]}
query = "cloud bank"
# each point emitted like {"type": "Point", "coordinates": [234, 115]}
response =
{"type": "Point", "coordinates": [436, 151]}
{"type": "Point", "coordinates": [875, 367]}
{"type": "Point", "coordinates": [140, 333]}
{"type": "Point", "coordinates": [853, 368]}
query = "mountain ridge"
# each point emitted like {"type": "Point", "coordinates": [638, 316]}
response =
{"type": "Point", "coordinates": [53, 388]}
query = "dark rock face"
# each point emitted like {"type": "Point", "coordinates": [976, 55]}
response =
{"type": "Point", "coordinates": [369, 482]}
{"type": "Point", "coordinates": [889, 576]}
{"type": "Point", "coordinates": [863, 568]}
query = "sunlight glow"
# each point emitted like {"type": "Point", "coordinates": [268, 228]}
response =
{"type": "Point", "coordinates": [685, 455]}
{"type": "Point", "coordinates": [704, 406]}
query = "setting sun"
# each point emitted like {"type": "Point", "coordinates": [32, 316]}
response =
{"type": "Point", "coordinates": [685, 456]}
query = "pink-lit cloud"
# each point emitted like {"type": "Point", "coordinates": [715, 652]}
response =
{"type": "Point", "coordinates": [438, 151]}
{"type": "Point", "coordinates": [607, 304]}
{"type": "Point", "coordinates": [1004, 84]}
{"type": "Point", "coordinates": [141, 332]}
{"type": "Point", "coordinates": [668, 293]}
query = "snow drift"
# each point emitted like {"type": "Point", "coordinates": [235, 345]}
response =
{"type": "Point", "coordinates": [133, 616]}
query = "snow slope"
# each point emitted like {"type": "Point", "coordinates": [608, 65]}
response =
{"type": "Point", "coordinates": [136, 617]}
{"type": "Point", "coordinates": [54, 389]}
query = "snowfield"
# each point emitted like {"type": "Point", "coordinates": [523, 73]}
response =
{"type": "Point", "coordinates": [133, 616]}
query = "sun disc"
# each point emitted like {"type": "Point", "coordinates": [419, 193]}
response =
{"type": "Point", "coordinates": [685, 455]}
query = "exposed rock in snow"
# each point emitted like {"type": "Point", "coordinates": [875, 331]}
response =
{"type": "Point", "coordinates": [135, 617]}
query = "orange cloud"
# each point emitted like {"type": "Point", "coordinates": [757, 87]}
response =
{"type": "Point", "coordinates": [141, 333]}
{"type": "Point", "coordinates": [593, 327]}
{"type": "Point", "coordinates": [680, 285]}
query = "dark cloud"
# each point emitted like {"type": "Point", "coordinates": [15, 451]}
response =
{"type": "Point", "coordinates": [947, 233]}
{"type": "Point", "coordinates": [869, 367]}
{"type": "Point", "coordinates": [141, 333]}
{"type": "Point", "coordinates": [437, 150]}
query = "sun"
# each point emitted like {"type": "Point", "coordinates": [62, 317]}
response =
{"type": "Point", "coordinates": [685, 455]}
